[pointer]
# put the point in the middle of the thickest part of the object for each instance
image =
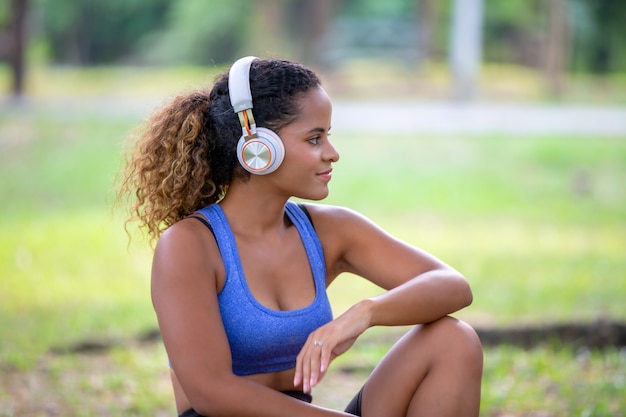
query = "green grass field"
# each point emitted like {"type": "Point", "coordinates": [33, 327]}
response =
{"type": "Point", "coordinates": [537, 224]}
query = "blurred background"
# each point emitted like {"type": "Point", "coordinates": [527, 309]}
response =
{"type": "Point", "coordinates": [492, 133]}
{"type": "Point", "coordinates": [516, 49]}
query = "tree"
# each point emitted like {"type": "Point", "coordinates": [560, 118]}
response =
{"type": "Point", "coordinates": [599, 38]}
{"type": "Point", "coordinates": [313, 19]}
{"type": "Point", "coordinates": [97, 32]}
{"type": "Point", "coordinates": [16, 44]}
{"type": "Point", "coordinates": [556, 46]}
{"type": "Point", "coordinates": [426, 22]}
{"type": "Point", "coordinates": [200, 32]}
{"type": "Point", "coordinates": [268, 21]}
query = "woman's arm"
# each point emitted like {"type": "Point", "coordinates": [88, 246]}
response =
{"type": "Point", "coordinates": [186, 272]}
{"type": "Point", "coordinates": [420, 287]}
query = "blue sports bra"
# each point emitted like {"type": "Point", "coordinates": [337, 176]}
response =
{"type": "Point", "coordinates": [261, 339]}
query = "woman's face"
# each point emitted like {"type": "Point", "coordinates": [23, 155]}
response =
{"type": "Point", "coordinates": [309, 154]}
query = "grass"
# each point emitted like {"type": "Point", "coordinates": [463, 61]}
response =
{"type": "Point", "coordinates": [537, 224]}
{"type": "Point", "coordinates": [509, 213]}
{"type": "Point", "coordinates": [523, 381]}
{"type": "Point", "coordinates": [546, 381]}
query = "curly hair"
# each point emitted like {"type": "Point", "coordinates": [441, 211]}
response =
{"type": "Point", "coordinates": [184, 156]}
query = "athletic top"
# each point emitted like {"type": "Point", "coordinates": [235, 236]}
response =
{"type": "Point", "coordinates": [261, 339]}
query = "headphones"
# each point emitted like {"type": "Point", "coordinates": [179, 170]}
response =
{"type": "Point", "coordinates": [259, 150]}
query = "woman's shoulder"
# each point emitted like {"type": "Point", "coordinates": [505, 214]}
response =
{"type": "Point", "coordinates": [186, 256]}
{"type": "Point", "coordinates": [333, 214]}
{"type": "Point", "coordinates": [338, 220]}
{"type": "Point", "coordinates": [188, 240]}
{"type": "Point", "coordinates": [324, 213]}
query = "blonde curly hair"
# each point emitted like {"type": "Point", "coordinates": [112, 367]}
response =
{"type": "Point", "coordinates": [184, 155]}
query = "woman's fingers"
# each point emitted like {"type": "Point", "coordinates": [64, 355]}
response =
{"type": "Point", "coordinates": [316, 360]}
{"type": "Point", "coordinates": [324, 345]}
{"type": "Point", "coordinates": [312, 363]}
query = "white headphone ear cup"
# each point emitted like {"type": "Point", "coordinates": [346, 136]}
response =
{"type": "Point", "coordinates": [261, 155]}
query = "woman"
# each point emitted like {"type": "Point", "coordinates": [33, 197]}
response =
{"type": "Point", "coordinates": [240, 272]}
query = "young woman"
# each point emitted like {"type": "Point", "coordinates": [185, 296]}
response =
{"type": "Point", "coordinates": [240, 272]}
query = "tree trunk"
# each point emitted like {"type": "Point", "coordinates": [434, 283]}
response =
{"type": "Point", "coordinates": [17, 45]}
{"type": "Point", "coordinates": [426, 21]}
{"type": "Point", "coordinates": [315, 17]}
{"type": "Point", "coordinates": [269, 24]}
{"type": "Point", "coordinates": [556, 46]}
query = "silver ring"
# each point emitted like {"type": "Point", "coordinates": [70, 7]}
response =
{"type": "Point", "coordinates": [318, 343]}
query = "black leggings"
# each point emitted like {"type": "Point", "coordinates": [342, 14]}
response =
{"type": "Point", "coordinates": [353, 408]}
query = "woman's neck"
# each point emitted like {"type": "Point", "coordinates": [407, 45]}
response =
{"type": "Point", "coordinates": [253, 211]}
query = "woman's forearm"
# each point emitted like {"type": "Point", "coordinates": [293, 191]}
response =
{"type": "Point", "coordinates": [423, 299]}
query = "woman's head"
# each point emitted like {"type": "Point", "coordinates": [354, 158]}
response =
{"type": "Point", "coordinates": [185, 157]}
{"type": "Point", "coordinates": [275, 88]}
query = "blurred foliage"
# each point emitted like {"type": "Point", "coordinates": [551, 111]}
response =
{"type": "Point", "coordinates": [198, 32]}
{"type": "Point", "coordinates": [514, 32]}
{"type": "Point", "coordinates": [201, 32]}
{"type": "Point", "coordinates": [4, 12]}
{"type": "Point", "coordinates": [96, 32]}
{"type": "Point", "coordinates": [599, 37]}
{"type": "Point", "coordinates": [368, 8]}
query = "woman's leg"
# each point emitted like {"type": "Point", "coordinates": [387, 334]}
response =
{"type": "Point", "coordinates": [434, 370]}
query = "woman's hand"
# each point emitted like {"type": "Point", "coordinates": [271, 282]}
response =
{"type": "Point", "coordinates": [327, 342]}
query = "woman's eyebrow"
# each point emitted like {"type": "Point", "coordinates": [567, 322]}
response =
{"type": "Point", "coordinates": [318, 130]}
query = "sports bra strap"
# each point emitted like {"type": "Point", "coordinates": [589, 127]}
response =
{"type": "Point", "coordinates": [204, 221]}
{"type": "Point", "coordinates": [306, 211]}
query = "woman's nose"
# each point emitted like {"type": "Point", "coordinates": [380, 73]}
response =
{"type": "Point", "coordinates": [331, 153]}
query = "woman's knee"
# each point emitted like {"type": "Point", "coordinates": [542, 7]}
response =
{"type": "Point", "coordinates": [443, 355]}
{"type": "Point", "coordinates": [449, 335]}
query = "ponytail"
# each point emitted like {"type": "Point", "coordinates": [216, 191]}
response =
{"type": "Point", "coordinates": [169, 171]}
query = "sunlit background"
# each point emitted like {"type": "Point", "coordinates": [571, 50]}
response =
{"type": "Point", "coordinates": [489, 132]}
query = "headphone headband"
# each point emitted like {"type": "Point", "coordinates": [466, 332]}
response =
{"type": "Point", "coordinates": [239, 84]}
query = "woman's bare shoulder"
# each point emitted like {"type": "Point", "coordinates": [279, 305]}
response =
{"type": "Point", "coordinates": [186, 245]}
{"type": "Point", "coordinates": [337, 218]}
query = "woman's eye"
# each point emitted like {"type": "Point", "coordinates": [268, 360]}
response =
{"type": "Point", "coordinates": [315, 140]}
